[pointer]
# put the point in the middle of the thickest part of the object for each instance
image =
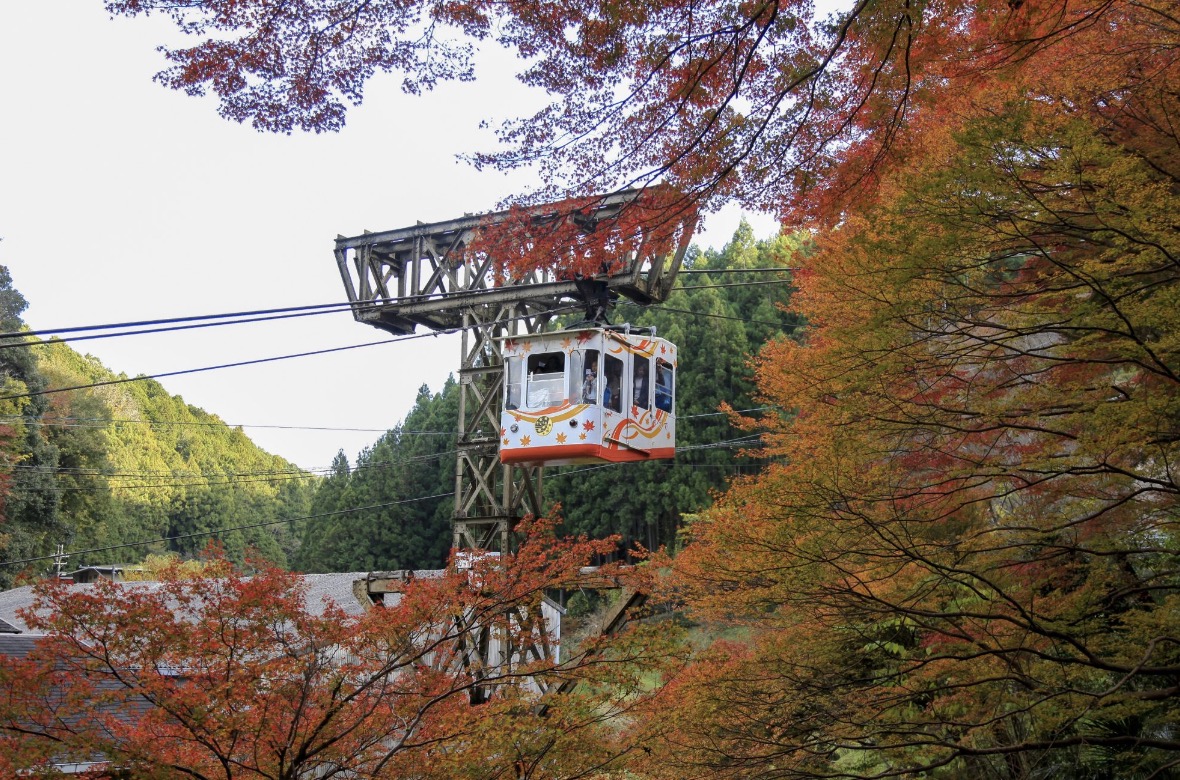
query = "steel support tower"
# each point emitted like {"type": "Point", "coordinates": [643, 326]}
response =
{"type": "Point", "coordinates": [426, 275]}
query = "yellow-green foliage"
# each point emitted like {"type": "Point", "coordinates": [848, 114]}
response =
{"type": "Point", "coordinates": [170, 566]}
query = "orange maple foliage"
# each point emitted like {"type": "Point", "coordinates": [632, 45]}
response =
{"type": "Point", "coordinates": [771, 102]}
{"type": "Point", "coordinates": [964, 562]}
{"type": "Point", "coordinates": [573, 239]}
{"type": "Point", "coordinates": [230, 675]}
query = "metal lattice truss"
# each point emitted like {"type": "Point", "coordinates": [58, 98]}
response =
{"type": "Point", "coordinates": [489, 496]}
{"type": "Point", "coordinates": [490, 651]}
{"type": "Point", "coordinates": [425, 275]}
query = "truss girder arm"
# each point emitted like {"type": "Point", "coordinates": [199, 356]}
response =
{"type": "Point", "coordinates": [423, 275]}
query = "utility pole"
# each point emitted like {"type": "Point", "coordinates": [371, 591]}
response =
{"type": "Point", "coordinates": [59, 561]}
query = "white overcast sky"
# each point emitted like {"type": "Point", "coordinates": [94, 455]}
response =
{"type": "Point", "coordinates": [121, 200]}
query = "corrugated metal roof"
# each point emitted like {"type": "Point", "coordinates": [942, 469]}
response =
{"type": "Point", "coordinates": [336, 588]}
{"type": "Point", "coordinates": [18, 645]}
{"type": "Point", "coordinates": [10, 601]}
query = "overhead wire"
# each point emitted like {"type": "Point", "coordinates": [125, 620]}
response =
{"type": "Point", "coordinates": [333, 307]}
{"type": "Point", "coordinates": [137, 327]}
{"type": "Point", "coordinates": [110, 488]}
{"type": "Point", "coordinates": [229, 479]}
{"type": "Point", "coordinates": [237, 317]}
{"type": "Point", "coordinates": [297, 470]}
{"type": "Point", "coordinates": [771, 270]}
{"type": "Point", "coordinates": [103, 422]}
{"type": "Point", "coordinates": [276, 358]}
{"type": "Point", "coordinates": [661, 307]}
{"type": "Point", "coordinates": [167, 324]}
{"type": "Point", "coordinates": [182, 372]}
{"type": "Point", "coordinates": [213, 479]}
{"type": "Point", "coordinates": [732, 284]}
{"type": "Point", "coordinates": [165, 329]}
{"type": "Point", "coordinates": [740, 441]}
{"type": "Point", "coordinates": [257, 361]}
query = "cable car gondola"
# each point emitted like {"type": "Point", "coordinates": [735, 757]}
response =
{"type": "Point", "coordinates": [591, 394]}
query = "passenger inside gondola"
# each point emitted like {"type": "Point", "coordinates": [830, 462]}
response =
{"type": "Point", "coordinates": [612, 396]}
{"type": "Point", "coordinates": [590, 380]}
{"type": "Point", "coordinates": [663, 386]}
{"type": "Point", "coordinates": [640, 390]}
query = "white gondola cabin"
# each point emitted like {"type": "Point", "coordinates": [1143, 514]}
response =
{"type": "Point", "coordinates": [592, 395]}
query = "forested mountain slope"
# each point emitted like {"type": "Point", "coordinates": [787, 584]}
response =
{"type": "Point", "coordinates": [401, 489]}
{"type": "Point", "coordinates": [124, 463]}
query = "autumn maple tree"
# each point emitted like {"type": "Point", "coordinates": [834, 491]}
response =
{"type": "Point", "coordinates": [963, 561]}
{"type": "Point", "coordinates": [774, 103]}
{"type": "Point", "coordinates": [227, 676]}
{"type": "Point", "coordinates": [575, 239]}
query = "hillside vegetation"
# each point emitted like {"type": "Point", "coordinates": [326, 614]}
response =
{"type": "Point", "coordinates": [119, 464]}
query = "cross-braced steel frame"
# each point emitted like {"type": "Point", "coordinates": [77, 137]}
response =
{"type": "Point", "coordinates": [489, 496]}
{"type": "Point", "coordinates": [424, 275]}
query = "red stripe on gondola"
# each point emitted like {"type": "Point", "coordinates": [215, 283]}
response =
{"type": "Point", "coordinates": [580, 451]}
